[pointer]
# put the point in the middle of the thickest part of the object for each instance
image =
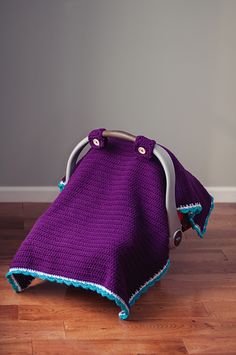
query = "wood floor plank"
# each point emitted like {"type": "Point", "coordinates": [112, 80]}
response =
{"type": "Point", "coordinates": [8, 312]}
{"type": "Point", "coordinates": [211, 344]}
{"type": "Point", "coordinates": [8, 249]}
{"type": "Point", "coordinates": [230, 253]}
{"type": "Point", "coordinates": [180, 295]}
{"type": "Point", "coordinates": [200, 267]}
{"type": "Point", "coordinates": [68, 312]}
{"type": "Point", "coordinates": [11, 209]}
{"type": "Point", "coordinates": [42, 293]}
{"type": "Point", "coordinates": [199, 256]}
{"type": "Point", "coordinates": [29, 329]}
{"type": "Point", "coordinates": [164, 311]}
{"type": "Point", "coordinates": [12, 223]}
{"type": "Point", "coordinates": [34, 210]}
{"type": "Point", "coordinates": [10, 235]}
{"type": "Point", "coordinates": [225, 310]}
{"type": "Point", "coordinates": [143, 329]}
{"type": "Point", "coordinates": [97, 347]}
{"type": "Point", "coordinates": [200, 281]}
{"type": "Point", "coordinates": [15, 347]}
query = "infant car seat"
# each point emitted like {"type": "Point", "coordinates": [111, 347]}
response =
{"type": "Point", "coordinates": [122, 206]}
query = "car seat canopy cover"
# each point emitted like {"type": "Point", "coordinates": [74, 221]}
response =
{"type": "Point", "coordinates": [107, 231]}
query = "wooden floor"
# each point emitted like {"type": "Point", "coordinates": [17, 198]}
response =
{"type": "Point", "coordinates": [191, 311]}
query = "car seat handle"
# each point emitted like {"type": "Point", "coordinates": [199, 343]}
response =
{"type": "Point", "coordinates": [119, 134]}
{"type": "Point", "coordinates": [175, 228]}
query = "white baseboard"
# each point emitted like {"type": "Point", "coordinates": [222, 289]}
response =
{"type": "Point", "coordinates": [28, 193]}
{"type": "Point", "coordinates": [223, 193]}
{"type": "Point", "coordinates": [49, 193]}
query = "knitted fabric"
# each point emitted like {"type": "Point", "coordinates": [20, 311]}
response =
{"type": "Point", "coordinates": [107, 231]}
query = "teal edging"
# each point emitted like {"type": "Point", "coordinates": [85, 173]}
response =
{"type": "Point", "coordinates": [86, 285]}
{"type": "Point", "coordinates": [149, 284]}
{"type": "Point", "coordinates": [61, 185]}
{"type": "Point", "coordinates": [12, 283]}
{"type": "Point", "coordinates": [193, 211]}
{"type": "Point", "coordinates": [124, 313]}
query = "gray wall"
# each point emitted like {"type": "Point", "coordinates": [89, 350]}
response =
{"type": "Point", "coordinates": [165, 69]}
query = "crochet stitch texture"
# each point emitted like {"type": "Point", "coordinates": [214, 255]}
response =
{"type": "Point", "coordinates": [107, 231]}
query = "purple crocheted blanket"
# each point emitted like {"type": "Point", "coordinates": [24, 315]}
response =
{"type": "Point", "coordinates": [107, 231]}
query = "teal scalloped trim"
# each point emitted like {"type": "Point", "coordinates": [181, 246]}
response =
{"type": "Point", "coordinates": [149, 284]}
{"type": "Point", "coordinates": [61, 185]}
{"type": "Point", "coordinates": [13, 283]}
{"type": "Point", "coordinates": [196, 209]}
{"type": "Point", "coordinates": [86, 285]}
{"type": "Point", "coordinates": [192, 212]}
